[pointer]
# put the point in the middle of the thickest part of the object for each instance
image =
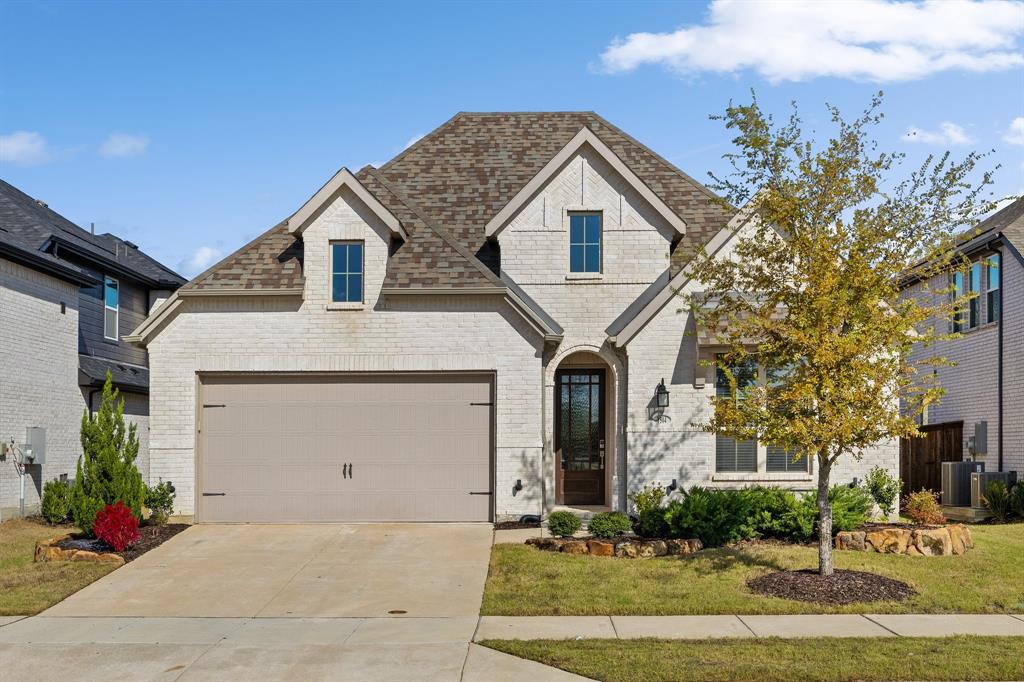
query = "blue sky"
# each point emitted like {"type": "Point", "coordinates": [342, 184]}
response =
{"type": "Point", "coordinates": [189, 128]}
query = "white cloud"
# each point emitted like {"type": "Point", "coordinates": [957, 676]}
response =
{"type": "Point", "coordinates": [1015, 133]}
{"type": "Point", "coordinates": [867, 40]}
{"type": "Point", "coordinates": [123, 146]}
{"type": "Point", "coordinates": [204, 257]}
{"type": "Point", "coordinates": [949, 133]}
{"type": "Point", "coordinates": [24, 148]}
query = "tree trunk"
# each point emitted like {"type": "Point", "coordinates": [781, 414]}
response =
{"type": "Point", "coordinates": [824, 517]}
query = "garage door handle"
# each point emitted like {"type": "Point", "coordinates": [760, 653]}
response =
{"type": "Point", "coordinates": [214, 494]}
{"type": "Point", "coordinates": [483, 493]}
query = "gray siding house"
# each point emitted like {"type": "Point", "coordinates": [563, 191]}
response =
{"type": "Point", "coordinates": [68, 298]}
{"type": "Point", "coordinates": [485, 326]}
{"type": "Point", "coordinates": [983, 407]}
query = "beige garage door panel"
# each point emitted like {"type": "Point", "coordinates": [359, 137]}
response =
{"type": "Point", "coordinates": [275, 446]}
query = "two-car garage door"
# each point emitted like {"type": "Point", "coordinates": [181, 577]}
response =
{"type": "Point", "coordinates": [301, 448]}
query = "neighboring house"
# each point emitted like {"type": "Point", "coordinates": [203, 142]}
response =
{"type": "Point", "coordinates": [67, 300]}
{"type": "Point", "coordinates": [484, 327]}
{"type": "Point", "coordinates": [986, 383]}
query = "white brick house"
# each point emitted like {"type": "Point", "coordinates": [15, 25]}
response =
{"type": "Point", "coordinates": [985, 382]}
{"type": "Point", "coordinates": [477, 330]}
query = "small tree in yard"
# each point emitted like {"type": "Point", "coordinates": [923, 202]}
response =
{"type": "Point", "coordinates": [812, 288]}
{"type": "Point", "coordinates": [106, 471]}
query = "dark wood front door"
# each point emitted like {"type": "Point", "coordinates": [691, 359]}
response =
{"type": "Point", "coordinates": [579, 436]}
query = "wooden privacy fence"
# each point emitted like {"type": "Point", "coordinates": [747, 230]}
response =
{"type": "Point", "coordinates": [921, 458]}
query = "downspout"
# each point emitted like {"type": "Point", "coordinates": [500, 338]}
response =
{"type": "Point", "coordinates": [1001, 322]}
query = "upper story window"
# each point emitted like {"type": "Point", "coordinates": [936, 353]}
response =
{"type": "Point", "coordinates": [347, 272]}
{"type": "Point", "coordinates": [974, 287]}
{"type": "Point", "coordinates": [992, 287]}
{"type": "Point", "coordinates": [111, 306]}
{"type": "Point", "coordinates": [958, 291]}
{"type": "Point", "coordinates": [584, 242]}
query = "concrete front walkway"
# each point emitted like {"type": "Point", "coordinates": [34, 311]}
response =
{"type": "Point", "coordinates": [715, 627]}
{"type": "Point", "coordinates": [322, 570]}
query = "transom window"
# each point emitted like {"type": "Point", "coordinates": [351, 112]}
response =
{"type": "Point", "coordinates": [584, 242]}
{"type": "Point", "coordinates": [111, 306]}
{"type": "Point", "coordinates": [347, 272]}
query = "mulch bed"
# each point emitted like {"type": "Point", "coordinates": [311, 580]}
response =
{"type": "Point", "coordinates": [516, 525]}
{"type": "Point", "coordinates": [842, 587]}
{"type": "Point", "coordinates": [150, 538]}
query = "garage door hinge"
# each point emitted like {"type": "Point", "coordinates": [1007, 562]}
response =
{"type": "Point", "coordinates": [214, 494]}
{"type": "Point", "coordinates": [483, 493]}
{"type": "Point", "coordinates": [214, 405]}
{"type": "Point", "coordinates": [487, 404]}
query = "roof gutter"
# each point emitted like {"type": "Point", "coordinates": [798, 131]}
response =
{"type": "Point", "coordinates": [113, 266]}
{"type": "Point", "coordinates": [37, 262]}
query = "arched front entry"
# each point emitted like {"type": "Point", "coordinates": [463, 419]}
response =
{"type": "Point", "coordinates": [583, 433]}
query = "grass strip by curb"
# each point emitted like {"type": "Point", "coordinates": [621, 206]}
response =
{"type": "Point", "coordinates": [782, 660]}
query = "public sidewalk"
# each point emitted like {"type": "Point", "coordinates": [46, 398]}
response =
{"type": "Point", "coordinates": [715, 627]}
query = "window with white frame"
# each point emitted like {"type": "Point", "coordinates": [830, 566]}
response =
{"type": "Point", "coordinates": [750, 456]}
{"type": "Point", "coordinates": [347, 272]}
{"type": "Point", "coordinates": [111, 307]}
{"type": "Point", "coordinates": [974, 287]}
{"type": "Point", "coordinates": [992, 282]}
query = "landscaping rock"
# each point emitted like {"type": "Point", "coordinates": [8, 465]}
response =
{"type": "Point", "coordinates": [548, 544]}
{"type": "Point", "coordinates": [851, 540]}
{"type": "Point", "coordinates": [676, 547]}
{"type": "Point", "coordinates": [656, 547]}
{"type": "Point", "coordinates": [695, 545]}
{"type": "Point", "coordinates": [889, 540]}
{"type": "Point", "coordinates": [575, 547]}
{"type": "Point", "coordinates": [933, 542]}
{"type": "Point", "coordinates": [960, 536]}
{"type": "Point", "coordinates": [601, 547]}
{"type": "Point", "coordinates": [913, 551]}
{"type": "Point", "coordinates": [627, 548]}
{"type": "Point", "coordinates": [47, 550]}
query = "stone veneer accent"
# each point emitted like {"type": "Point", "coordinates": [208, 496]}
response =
{"type": "Point", "coordinates": [938, 541]}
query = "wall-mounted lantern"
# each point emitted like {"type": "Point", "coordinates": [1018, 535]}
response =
{"type": "Point", "coordinates": [661, 395]}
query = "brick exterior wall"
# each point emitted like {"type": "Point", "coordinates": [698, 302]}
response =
{"type": "Point", "coordinates": [971, 384]}
{"type": "Point", "coordinates": [38, 376]}
{"type": "Point", "coordinates": [447, 332]}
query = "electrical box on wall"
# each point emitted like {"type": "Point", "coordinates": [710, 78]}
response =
{"type": "Point", "coordinates": [35, 444]}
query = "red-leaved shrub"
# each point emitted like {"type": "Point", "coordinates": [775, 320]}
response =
{"type": "Point", "coordinates": [117, 526]}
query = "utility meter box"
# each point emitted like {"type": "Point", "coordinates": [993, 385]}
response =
{"type": "Point", "coordinates": [35, 444]}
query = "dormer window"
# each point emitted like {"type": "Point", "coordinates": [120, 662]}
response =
{"type": "Point", "coordinates": [584, 242]}
{"type": "Point", "coordinates": [347, 272]}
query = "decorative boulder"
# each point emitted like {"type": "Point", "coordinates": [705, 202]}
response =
{"type": "Point", "coordinates": [851, 540]}
{"type": "Point", "coordinates": [549, 544]}
{"type": "Point", "coordinates": [575, 547]}
{"type": "Point", "coordinates": [933, 542]}
{"type": "Point", "coordinates": [601, 547]}
{"type": "Point", "coordinates": [627, 548]}
{"type": "Point", "coordinates": [889, 540]}
{"type": "Point", "coordinates": [960, 537]}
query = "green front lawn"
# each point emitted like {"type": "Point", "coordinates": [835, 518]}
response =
{"type": "Point", "coordinates": [524, 581]}
{"type": "Point", "coordinates": [26, 588]}
{"type": "Point", "coordinates": [831, 660]}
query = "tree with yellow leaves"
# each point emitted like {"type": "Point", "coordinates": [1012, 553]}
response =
{"type": "Point", "coordinates": [812, 288]}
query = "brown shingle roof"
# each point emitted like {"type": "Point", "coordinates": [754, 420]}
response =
{"type": "Point", "coordinates": [446, 187]}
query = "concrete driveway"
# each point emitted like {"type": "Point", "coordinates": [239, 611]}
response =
{"type": "Point", "coordinates": [278, 602]}
{"type": "Point", "coordinates": [296, 571]}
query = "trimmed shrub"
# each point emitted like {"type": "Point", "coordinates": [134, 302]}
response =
{"type": "Point", "coordinates": [563, 523]}
{"type": "Point", "coordinates": [715, 517]}
{"type": "Point", "coordinates": [851, 507]}
{"type": "Point", "coordinates": [647, 501]}
{"type": "Point", "coordinates": [997, 500]}
{"type": "Point", "coordinates": [609, 524]}
{"type": "Point", "coordinates": [117, 526]}
{"type": "Point", "coordinates": [56, 502]}
{"type": "Point", "coordinates": [884, 489]}
{"type": "Point", "coordinates": [923, 507]}
{"type": "Point", "coordinates": [106, 471]}
{"type": "Point", "coordinates": [160, 502]}
{"type": "Point", "coordinates": [1017, 499]}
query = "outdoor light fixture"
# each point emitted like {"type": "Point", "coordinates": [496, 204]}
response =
{"type": "Point", "coordinates": [661, 395]}
{"type": "Point", "coordinates": [518, 486]}
{"type": "Point", "coordinates": [672, 487]}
